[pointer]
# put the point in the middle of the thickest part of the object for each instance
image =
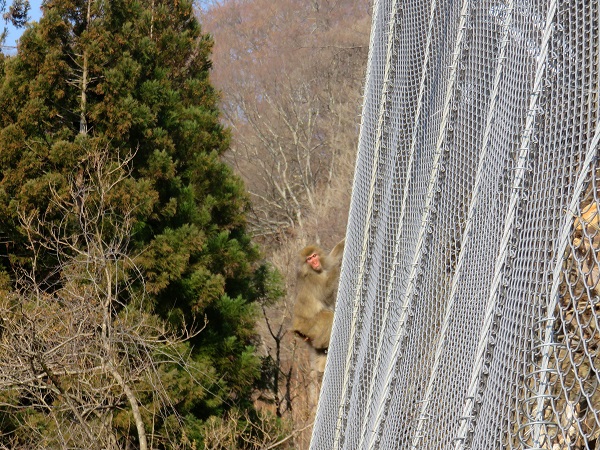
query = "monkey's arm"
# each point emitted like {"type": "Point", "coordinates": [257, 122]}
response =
{"type": "Point", "coordinates": [338, 251]}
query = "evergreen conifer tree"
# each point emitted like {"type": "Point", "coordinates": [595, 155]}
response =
{"type": "Point", "coordinates": [131, 77]}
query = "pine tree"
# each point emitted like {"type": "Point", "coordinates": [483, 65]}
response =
{"type": "Point", "coordinates": [132, 77]}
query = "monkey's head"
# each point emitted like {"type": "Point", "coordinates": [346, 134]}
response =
{"type": "Point", "coordinates": [312, 256]}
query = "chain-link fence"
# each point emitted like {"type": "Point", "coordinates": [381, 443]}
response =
{"type": "Point", "coordinates": [469, 304]}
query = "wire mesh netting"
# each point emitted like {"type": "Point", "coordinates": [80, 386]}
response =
{"type": "Point", "coordinates": [469, 303]}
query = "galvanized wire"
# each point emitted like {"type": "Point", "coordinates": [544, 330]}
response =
{"type": "Point", "coordinates": [469, 304]}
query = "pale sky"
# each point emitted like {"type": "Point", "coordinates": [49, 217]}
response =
{"type": "Point", "coordinates": [13, 35]}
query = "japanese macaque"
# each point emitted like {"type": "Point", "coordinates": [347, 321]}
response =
{"type": "Point", "coordinates": [576, 339]}
{"type": "Point", "coordinates": [317, 284]}
{"type": "Point", "coordinates": [587, 241]}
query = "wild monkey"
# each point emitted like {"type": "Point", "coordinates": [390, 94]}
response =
{"type": "Point", "coordinates": [318, 278]}
{"type": "Point", "coordinates": [587, 241]}
{"type": "Point", "coordinates": [576, 336]}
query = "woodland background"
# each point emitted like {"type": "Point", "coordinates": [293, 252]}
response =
{"type": "Point", "coordinates": [161, 164]}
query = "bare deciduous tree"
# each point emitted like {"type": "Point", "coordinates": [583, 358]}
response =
{"type": "Point", "coordinates": [291, 74]}
{"type": "Point", "coordinates": [82, 359]}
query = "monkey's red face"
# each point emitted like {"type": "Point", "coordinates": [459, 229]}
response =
{"type": "Point", "coordinates": [314, 262]}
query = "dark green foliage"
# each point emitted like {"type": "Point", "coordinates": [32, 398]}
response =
{"type": "Point", "coordinates": [132, 76]}
{"type": "Point", "coordinates": [17, 13]}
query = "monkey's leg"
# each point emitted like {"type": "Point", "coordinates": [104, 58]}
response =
{"type": "Point", "coordinates": [320, 330]}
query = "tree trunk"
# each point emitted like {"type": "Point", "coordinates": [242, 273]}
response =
{"type": "Point", "coordinates": [135, 409]}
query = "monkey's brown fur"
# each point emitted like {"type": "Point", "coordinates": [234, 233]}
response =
{"type": "Point", "coordinates": [316, 294]}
